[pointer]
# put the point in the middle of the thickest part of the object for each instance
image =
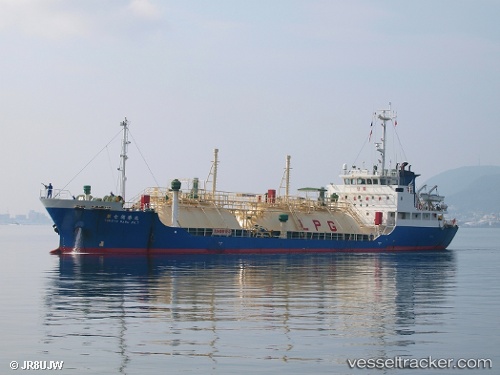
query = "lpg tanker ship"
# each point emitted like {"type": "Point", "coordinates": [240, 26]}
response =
{"type": "Point", "coordinates": [379, 210]}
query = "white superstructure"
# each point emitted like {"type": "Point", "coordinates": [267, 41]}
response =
{"type": "Point", "coordinates": [387, 197]}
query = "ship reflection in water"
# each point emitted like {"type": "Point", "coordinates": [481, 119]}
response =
{"type": "Point", "coordinates": [233, 313]}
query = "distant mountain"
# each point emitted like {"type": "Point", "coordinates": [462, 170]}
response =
{"type": "Point", "coordinates": [456, 180]}
{"type": "Point", "coordinates": [471, 192]}
{"type": "Point", "coordinates": [483, 196]}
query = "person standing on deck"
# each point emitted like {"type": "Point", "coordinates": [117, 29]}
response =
{"type": "Point", "coordinates": [49, 189]}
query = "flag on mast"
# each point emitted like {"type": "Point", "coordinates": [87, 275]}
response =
{"type": "Point", "coordinates": [371, 131]}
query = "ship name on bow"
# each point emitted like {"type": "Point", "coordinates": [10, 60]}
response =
{"type": "Point", "coordinates": [122, 219]}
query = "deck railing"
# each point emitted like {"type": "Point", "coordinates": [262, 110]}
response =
{"type": "Point", "coordinates": [56, 194]}
{"type": "Point", "coordinates": [209, 232]}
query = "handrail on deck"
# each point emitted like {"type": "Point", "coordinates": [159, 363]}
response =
{"type": "Point", "coordinates": [56, 194]}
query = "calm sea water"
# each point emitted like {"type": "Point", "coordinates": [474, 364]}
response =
{"type": "Point", "coordinates": [247, 314]}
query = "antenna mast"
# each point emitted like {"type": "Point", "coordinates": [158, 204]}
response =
{"type": "Point", "coordinates": [213, 172]}
{"type": "Point", "coordinates": [216, 161]}
{"type": "Point", "coordinates": [124, 157]}
{"type": "Point", "coordinates": [287, 171]}
{"type": "Point", "coordinates": [384, 115]}
{"type": "Point", "coordinates": [286, 178]}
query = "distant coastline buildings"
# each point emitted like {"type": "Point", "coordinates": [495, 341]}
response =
{"type": "Point", "coordinates": [479, 220]}
{"type": "Point", "coordinates": [465, 220]}
{"type": "Point", "coordinates": [32, 218]}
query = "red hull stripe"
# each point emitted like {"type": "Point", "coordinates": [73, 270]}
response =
{"type": "Point", "coordinates": [124, 251]}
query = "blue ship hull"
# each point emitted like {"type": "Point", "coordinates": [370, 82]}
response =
{"type": "Point", "coordinates": [105, 231]}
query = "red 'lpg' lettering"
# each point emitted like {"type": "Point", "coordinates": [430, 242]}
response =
{"type": "Point", "coordinates": [302, 225]}
{"type": "Point", "coordinates": [332, 226]}
{"type": "Point", "coordinates": [317, 224]}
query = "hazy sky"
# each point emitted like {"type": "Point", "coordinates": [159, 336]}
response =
{"type": "Point", "coordinates": [256, 79]}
